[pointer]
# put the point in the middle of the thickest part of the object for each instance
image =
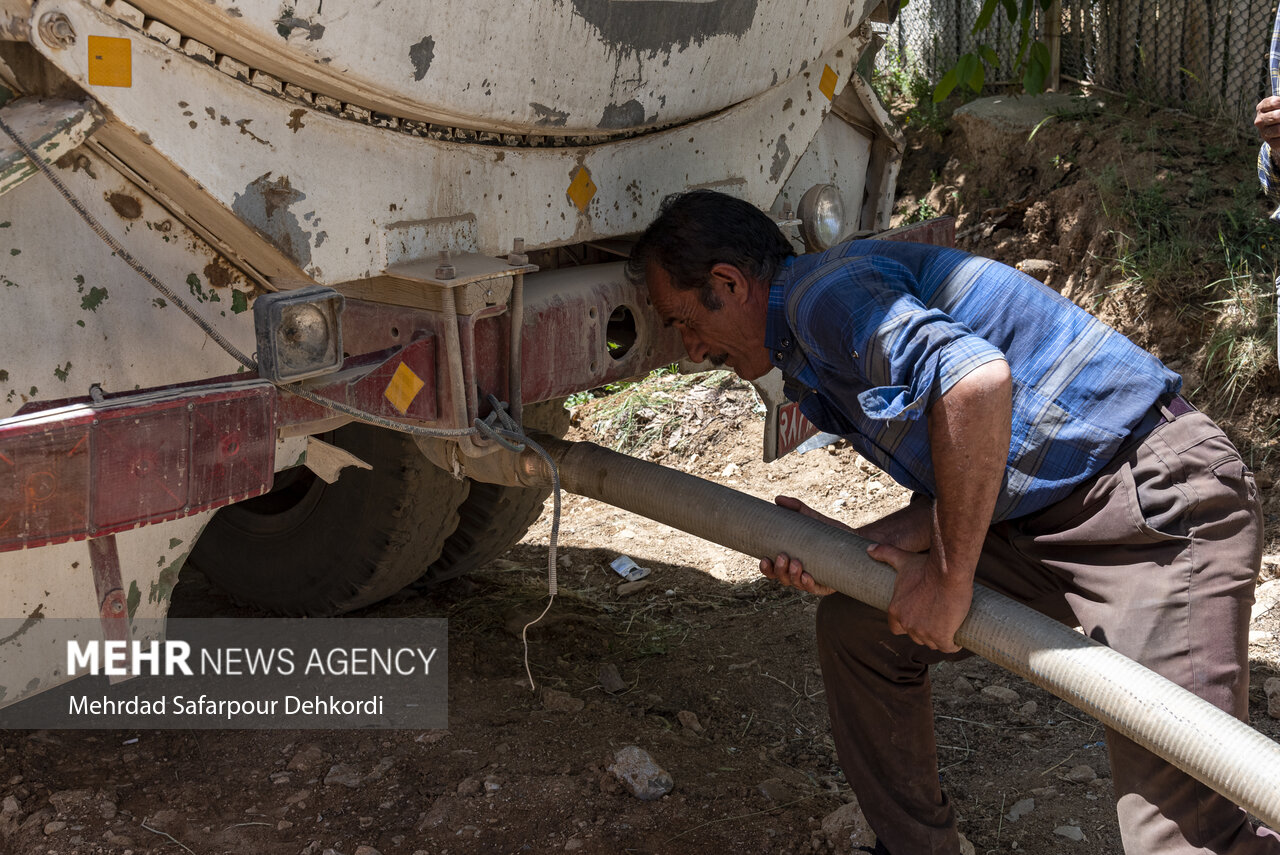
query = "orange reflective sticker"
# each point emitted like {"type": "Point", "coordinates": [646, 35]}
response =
{"type": "Point", "coordinates": [581, 188]}
{"type": "Point", "coordinates": [827, 86]}
{"type": "Point", "coordinates": [110, 61]}
{"type": "Point", "coordinates": [403, 388]}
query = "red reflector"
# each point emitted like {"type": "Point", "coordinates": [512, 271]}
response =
{"type": "Point", "coordinates": [44, 482]}
{"type": "Point", "coordinates": [91, 470]}
{"type": "Point", "coordinates": [139, 466]}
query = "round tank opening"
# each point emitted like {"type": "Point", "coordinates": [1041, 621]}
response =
{"type": "Point", "coordinates": [620, 334]}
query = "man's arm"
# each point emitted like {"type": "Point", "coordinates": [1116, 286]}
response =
{"type": "Point", "coordinates": [969, 431]}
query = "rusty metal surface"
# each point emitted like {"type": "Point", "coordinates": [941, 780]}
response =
{"type": "Point", "coordinates": [939, 231]}
{"type": "Point", "coordinates": [108, 584]}
{"type": "Point", "coordinates": [566, 332]}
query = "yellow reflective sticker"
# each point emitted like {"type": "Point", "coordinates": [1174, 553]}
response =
{"type": "Point", "coordinates": [110, 61]}
{"type": "Point", "coordinates": [403, 388]}
{"type": "Point", "coordinates": [581, 188]}
{"type": "Point", "coordinates": [827, 86]}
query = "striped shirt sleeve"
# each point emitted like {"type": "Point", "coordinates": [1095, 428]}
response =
{"type": "Point", "coordinates": [1269, 176]}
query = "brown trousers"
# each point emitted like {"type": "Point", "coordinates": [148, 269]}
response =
{"type": "Point", "coordinates": [1156, 557]}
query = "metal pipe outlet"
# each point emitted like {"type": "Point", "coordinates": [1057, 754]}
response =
{"type": "Point", "coordinates": [1190, 733]}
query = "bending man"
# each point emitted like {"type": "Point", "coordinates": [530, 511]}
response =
{"type": "Point", "coordinates": [1048, 456]}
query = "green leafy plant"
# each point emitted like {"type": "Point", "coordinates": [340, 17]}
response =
{"type": "Point", "coordinates": [924, 211]}
{"type": "Point", "coordinates": [1032, 62]}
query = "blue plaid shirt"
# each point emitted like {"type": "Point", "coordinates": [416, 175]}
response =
{"type": "Point", "coordinates": [882, 329]}
{"type": "Point", "coordinates": [1270, 178]}
{"type": "Point", "coordinates": [1267, 172]}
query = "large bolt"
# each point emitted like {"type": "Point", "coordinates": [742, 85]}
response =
{"type": "Point", "coordinates": [56, 30]}
{"type": "Point", "coordinates": [517, 256]}
{"type": "Point", "coordinates": [445, 269]}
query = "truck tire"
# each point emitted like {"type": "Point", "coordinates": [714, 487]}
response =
{"type": "Point", "coordinates": [494, 517]}
{"type": "Point", "coordinates": [313, 549]}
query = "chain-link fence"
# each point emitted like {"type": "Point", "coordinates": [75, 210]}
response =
{"type": "Point", "coordinates": [1204, 56]}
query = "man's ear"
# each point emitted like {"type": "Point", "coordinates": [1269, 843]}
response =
{"type": "Point", "coordinates": [729, 279]}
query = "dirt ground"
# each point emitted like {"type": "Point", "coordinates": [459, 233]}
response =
{"type": "Point", "coordinates": [707, 667]}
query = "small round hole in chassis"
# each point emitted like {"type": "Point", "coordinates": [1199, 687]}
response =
{"type": "Point", "coordinates": [620, 334]}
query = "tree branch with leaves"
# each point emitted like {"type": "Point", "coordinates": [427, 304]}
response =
{"type": "Point", "coordinates": [1033, 61]}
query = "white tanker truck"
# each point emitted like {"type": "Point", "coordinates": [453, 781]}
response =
{"type": "Point", "coordinates": [255, 227]}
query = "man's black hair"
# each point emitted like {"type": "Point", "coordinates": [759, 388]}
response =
{"type": "Point", "coordinates": [697, 230]}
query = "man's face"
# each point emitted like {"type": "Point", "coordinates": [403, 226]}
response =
{"type": "Point", "coordinates": [731, 332]}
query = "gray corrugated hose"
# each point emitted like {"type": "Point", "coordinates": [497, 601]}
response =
{"type": "Point", "coordinates": [1191, 733]}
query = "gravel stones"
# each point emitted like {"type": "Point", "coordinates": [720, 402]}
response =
{"type": "Point", "coordinates": [1272, 688]}
{"type": "Point", "coordinates": [1020, 808]}
{"type": "Point", "coordinates": [1000, 695]}
{"type": "Point", "coordinates": [640, 773]}
{"type": "Point", "coordinates": [343, 775]}
{"type": "Point", "coordinates": [610, 680]}
{"type": "Point", "coordinates": [1071, 832]}
{"type": "Point", "coordinates": [1081, 774]}
{"type": "Point", "coordinates": [846, 828]}
{"type": "Point", "coordinates": [689, 721]}
{"type": "Point", "coordinates": [554, 700]}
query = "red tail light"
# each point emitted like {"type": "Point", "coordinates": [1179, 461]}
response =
{"type": "Point", "coordinates": [89, 470]}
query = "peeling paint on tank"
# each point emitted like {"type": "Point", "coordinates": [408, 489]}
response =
{"type": "Point", "coordinates": [219, 274]}
{"type": "Point", "coordinates": [125, 205]}
{"type": "Point", "coordinates": [4, 376]}
{"type": "Point", "coordinates": [162, 587]}
{"type": "Point", "coordinates": [265, 205]}
{"type": "Point", "coordinates": [243, 125]}
{"type": "Point", "coordinates": [549, 117]}
{"type": "Point", "coordinates": [37, 615]}
{"type": "Point", "coordinates": [421, 54]}
{"type": "Point", "coordinates": [197, 290]}
{"type": "Point", "coordinates": [134, 598]}
{"type": "Point", "coordinates": [93, 299]}
{"type": "Point", "coordinates": [295, 120]}
{"type": "Point", "coordinates": [239, 302]}
{"type": "Point", "coordinates": [621, 116]}
{"type": "Point", "coordinates": [781, 155]}
{"type": "Point", "coordinates": [651, 26]}
{"type": "Point", "coordinates": [288, 22]}
{"type": "Point", "coordinates": [62, 371]}
{"type": "Point", "coordinates": [76, 162]}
